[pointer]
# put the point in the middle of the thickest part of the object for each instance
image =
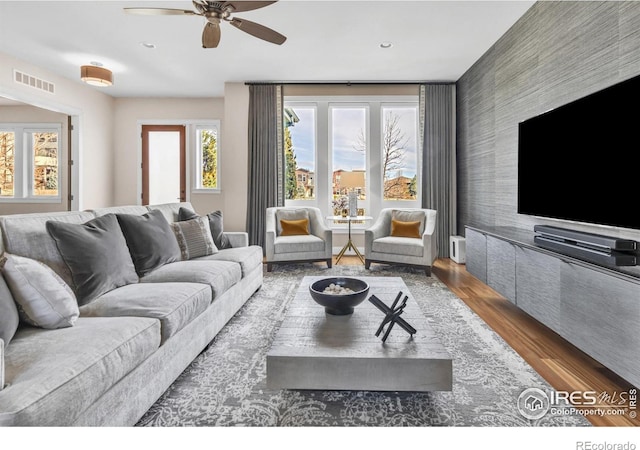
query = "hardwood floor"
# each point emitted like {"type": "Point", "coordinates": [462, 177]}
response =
{"type": "Point", "coordinates": [561, 364]}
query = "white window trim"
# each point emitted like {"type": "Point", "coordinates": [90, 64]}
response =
{"type": "Point", "coordinates": [323, 160]}
{"type": "Point", "coordinates": [197, 159]}
{"type": "Point", "coordinates": [23, 181]}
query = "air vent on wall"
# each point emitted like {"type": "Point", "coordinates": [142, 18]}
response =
{"type": "Point", "coordinates": [31, 81]}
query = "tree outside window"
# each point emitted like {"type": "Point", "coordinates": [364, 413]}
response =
{"type": "Point", "coordinates": [209, 158]}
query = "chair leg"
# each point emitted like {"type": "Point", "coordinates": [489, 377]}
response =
{"type": "Point", "coordinates": [329, 262]}
{"type": "Point", "coordinates": [269, 267]}
{"type": "Point", "coordinates": [367, 264]}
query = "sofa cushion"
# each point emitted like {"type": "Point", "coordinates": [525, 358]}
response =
{"type": "Point", "coordinates": [9, 318]}
{"type": "Point", "coordinates": [289, 214]}
{"type": "Point", "coordinates": [27, 235]}
{"type": "Point", "coordinates": [96, 254]}
{"type": "Point", "coordinates": [170, 211]}
{"type": "Point", "coordinates": [399, 246]}
{"type": "Point", "coordinates": [248, 257]}
{"type": "Point", "coordinates": [215, 224]}
{"type": "Point", "coordinates": [219, 275]}
{"type": "Point", "coordinates": [194, 238]}
{"type": "Point", "coordinates": [174, 304]}
{"type": "Point", "coordinates": [298, 244]}
{"type": "Point", "coordinates": [42, 298]}
{"type": "Point", "coordinates": [150, 240]}
{"type": "Point", "coordinates": [54, 375]}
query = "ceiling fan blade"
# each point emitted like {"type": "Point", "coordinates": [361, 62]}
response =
{"type": "Point", "coordinates": [241, 6]}
{"type": "Point", "coordinates": [211, 35]}
{"type": "Point", "coordinates": [259, 31]}
{"type": "Point", "coordinates": [160, 12]}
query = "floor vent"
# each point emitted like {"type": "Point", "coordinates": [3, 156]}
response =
{"type": "Point", "coordinates": [31, 81]}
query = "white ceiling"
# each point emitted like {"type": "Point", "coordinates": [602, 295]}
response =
{"type": "Point", "coordinates": [327, 41]}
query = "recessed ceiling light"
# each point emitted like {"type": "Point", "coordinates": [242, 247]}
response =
{"type": "Point", "coordinates": [148, 45]}
{"type": "Point", "coordinates": [386, 45]}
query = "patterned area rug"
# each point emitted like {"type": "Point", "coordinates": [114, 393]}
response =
{"type": "Point", "coordinates": [226, 384]}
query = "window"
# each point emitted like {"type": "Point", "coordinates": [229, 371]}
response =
{"type": "Point", "coordinates": [207, 167]}
{"type": "Point", "coordinates": [366, 145]}
{"type": "Point", "coordinates": [29, 162]}
{"type": "Point", "coordinates": [399, 152]}
{"type": "Point", "coordinates": [300, 152]}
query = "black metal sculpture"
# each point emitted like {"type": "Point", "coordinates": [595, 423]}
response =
{"type": "Point", "coordinates": [392, 315]}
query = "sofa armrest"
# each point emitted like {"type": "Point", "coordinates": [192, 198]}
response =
{"type": "Point", "coordinates": [429, 238]}
{"type": "Point", "coordinates": [375, 231]}
{"type": "Point", "coordinates": [270, 233]}
{"type": "Point", "coordinates": [1, 364]}
{"type": "Point", "coordinates": [237, 238]}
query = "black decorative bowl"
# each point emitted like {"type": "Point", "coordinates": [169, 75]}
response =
{"type": "Point", "coordinates": [339, 304]}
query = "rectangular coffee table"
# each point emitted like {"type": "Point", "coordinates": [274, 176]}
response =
{"type": "Point", "coordinates": [319, 351]}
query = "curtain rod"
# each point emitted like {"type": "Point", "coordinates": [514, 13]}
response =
{"type": "Point", "coordinates": [347, 83]}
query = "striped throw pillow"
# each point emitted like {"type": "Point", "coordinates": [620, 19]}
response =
{"type": "Point", "coordinates": [194, 238]}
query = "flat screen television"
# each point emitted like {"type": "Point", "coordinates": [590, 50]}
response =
{"type": "Point", "coordinates": [580, 161]}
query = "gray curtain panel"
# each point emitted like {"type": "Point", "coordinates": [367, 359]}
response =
{"type": "Point", "coordinates": [266, 157]}
{"type": "Point", "coordinates": [439, 159]}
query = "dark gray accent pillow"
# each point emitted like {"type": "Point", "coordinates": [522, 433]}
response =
{"type": "Point", "coordinates": [150, 240]}
{"type": "Point", "coordinates": [9, 318]}
{"type": "Point", "coordinates": [215, 223]}
{"type": "Point", "coordinates": [96, 254]}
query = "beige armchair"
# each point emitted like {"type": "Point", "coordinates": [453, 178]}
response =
{"type": "Point", "coordinates": [381, 247]}
{"type": "Point", "coordinates": [315, 246]}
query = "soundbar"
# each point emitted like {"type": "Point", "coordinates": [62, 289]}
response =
{"type": "Point", "coordinates": [586, 240]}
{"type": "Point", "coordinates": [614, 257]}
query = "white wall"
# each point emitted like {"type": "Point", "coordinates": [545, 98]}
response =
{"type": "Point", "coordinates": [96, 112]}
{"type": "Point", "coordinates": [130, 113]}
{"type": "Point", "coordinates": [235, 155]}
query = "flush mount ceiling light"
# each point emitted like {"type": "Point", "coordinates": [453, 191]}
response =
{"type": "Point", "coordinates": [96, 75]}
{"type": "Point", "coordinates": [148, 45]}
{"type": "Point", "coordinates": [386, 45]}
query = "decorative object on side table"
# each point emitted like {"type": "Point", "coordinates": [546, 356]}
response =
{"type": "Point", "coordinates": [339, 296]}
{"type": "Point", "coordinates": [353, 204]}
{"type": "Point", "coordinates": [392, 315]}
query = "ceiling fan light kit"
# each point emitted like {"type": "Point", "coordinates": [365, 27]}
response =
{"type": "Point", "coordinates": [217, 12]}
{"type": "Point", "coordinates": [96, 76]}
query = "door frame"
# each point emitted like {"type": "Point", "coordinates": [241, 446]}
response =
{"type": "Point", "coordinates": [144, 135]}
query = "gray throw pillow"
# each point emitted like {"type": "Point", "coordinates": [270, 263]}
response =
{"type": "Point", "coordinates": [194, 238]}
{"type": "Point", "coordinates": [9, 318]}
{"type": "Point", "coordinates": [96, 254]}
{"type": "Point", "coordinates": [150, 239]}
{"type": "Point", "coordinates": [215, 223]}
{"type": "Point", "coordinates": [43, 300]}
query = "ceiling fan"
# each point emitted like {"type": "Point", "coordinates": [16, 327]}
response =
{"type": "Point", "coordinates": [215, 12]}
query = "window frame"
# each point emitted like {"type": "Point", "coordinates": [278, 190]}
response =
{"type": "Point", "coordinates": [193, 135]}
{"type": "Point", "coordinates": [24, 162]}
{"type": "Point", "coordinates": [308, 201]}
{"type": "Point", "coordinates": [374, 128]}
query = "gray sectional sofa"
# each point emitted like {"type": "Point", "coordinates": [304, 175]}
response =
{"type": "Point", "coordinates": [128, 345]}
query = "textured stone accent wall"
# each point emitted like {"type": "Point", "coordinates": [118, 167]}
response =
{"type": "Point", "coordinates": [556, 53]}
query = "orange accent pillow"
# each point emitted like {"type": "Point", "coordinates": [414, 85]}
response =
{"type": "Point", "coordinates": [294, 227]}
{"type": "Point", "coordinates": [405, 229]}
